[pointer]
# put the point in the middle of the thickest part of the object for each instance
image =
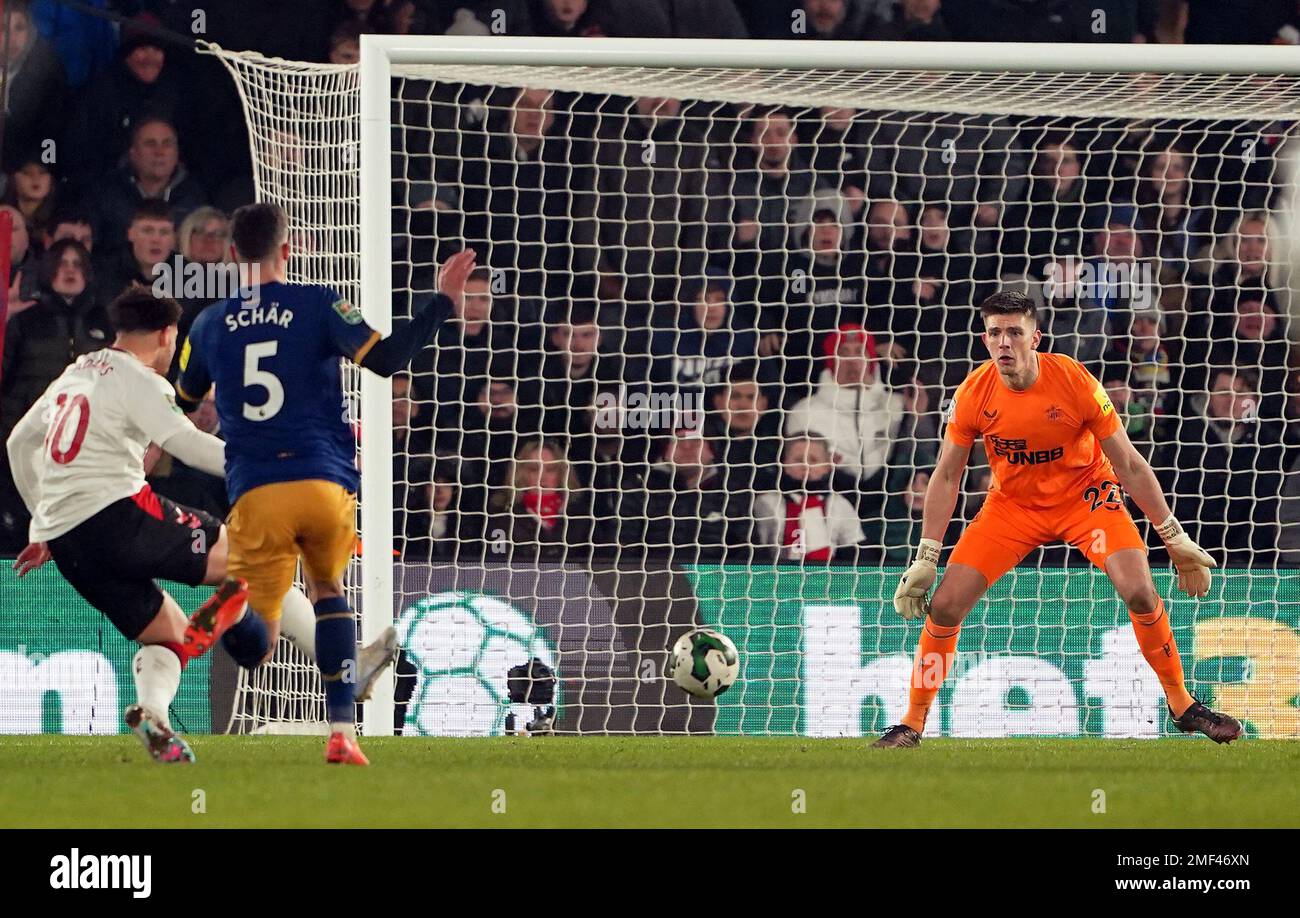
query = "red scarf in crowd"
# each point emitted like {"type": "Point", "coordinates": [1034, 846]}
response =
{"type": "Point", "coordinates": [795, 506]}
{"type": "Point", "coordinates": [547, 506]}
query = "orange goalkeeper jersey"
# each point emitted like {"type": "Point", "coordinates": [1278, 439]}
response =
{"type": "Point", "coordinates": [1043, 444]}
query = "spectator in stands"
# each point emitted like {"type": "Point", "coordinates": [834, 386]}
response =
{"type": "Point", "coordinates": [705, 19]}
{"type": "Point", "coordinates": [412, 439]}
{"type": "Point", "coordinates": [1223, 469]}
{"type": "Point", "coordinates": [1049, 223]}
{"type": "Point", "coordinates": [427, 524]}
{"type": "Point", "coordinates": [64, 322]}
{"type": "Point", "coordinates": [578, 18]}
{"type": "Point", "coordinates": [913, 20]}
{"type": "Point", "coordinates": [752, 203]}
{"type": "Point", "coordinates": [32, 191]}
{"type": "Point", "coordinates": [1135, 408]}
{"type": "Point", "coordinates": [542, 513]}
{"type": "Point", "coordinates": [151, 239]}
{"type": "Point", "coordinates": [902, 521]}
{"type": "Point", "coordinates": [402, 17]}
{"type": "Point", "coordinates": [855, 413]}
{"type": "Point", "coordinates": [35, 90]}
{"type": "Point", "coordinates": [977, 488]}
{"type": "Point", "coordinates": [651, 208]}
{"type": "Point", "coordinates": [1115, 282]}
{"type": "Point", "coordinates": [1239, 263]}
{"type": "Point", "coordinates": [1018, 20]}
{"type": "Point", "coordinates": [577, 376]}
{"type": "Point", "coordinates": [744, 433]}
{"type": "Point", "coordinates": [345, 43]}
{"type": "Point", "coordinates": [708, 341]}
{"type": "Point", "coordinates": [824, 288]}
{"type": "Point", "coordinates": [203, 239]}
{"type": "Point", "coordinates": [153, 171]}
{"type": "Point", "coordinates": [142, 83]}
{"type": "Point", "coordinates": [40, 338]}
{"type": "Point", "coordinates": [85, 44]}
{"type": "Point", "coordinates": [1141, 359]}
{"type": "Point", "coordinates": [497, 417]}
{"type": "Point", "coordinates": [187, 485]}
{"type": "Point", "coordinates": [1291, 416]}
{"type": "Point", "coordinates": [891, 258]}
{"type": "Point", "coordinates": [805, 521]}
{"type": "Point", "coordinates": [70, 222]}
{"type": "Point", "coordinates": [972, 162]}
{"type": "Point", "coordinates": [835, 20]}
{"type": "Point", "coordinates": [448, 373]}
{"type": "Point", "coordinates": [24, 262]}
{"type": "Point", "coordinates": [949, 281]}
{"type": "Point", "coordinates": [838, 155]}
{"type": "Point", "coordinates": [1239, 22]}
{"type": "Point", "coordinates": [682, 508]}
{"type": "Point", "coordinates": [1171, 227]}
{"type": "Point", "coordinates": [364, 14]}
{"type": "Point", "coordinates": [1258, 345]}
{"type": "Point", "coordinates": [528, 195]}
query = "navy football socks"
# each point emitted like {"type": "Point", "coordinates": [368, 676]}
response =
{"type": "Point", "coordinates": [336, 651]}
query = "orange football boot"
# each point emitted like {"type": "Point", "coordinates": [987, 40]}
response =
{"type": "Point", "coordinates": [215, 617]}
{"type": "Point", "coordinates": [343, 750]}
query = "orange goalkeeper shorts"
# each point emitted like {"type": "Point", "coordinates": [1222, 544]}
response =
{"type": "Point", "coordinates": [1095, 521]}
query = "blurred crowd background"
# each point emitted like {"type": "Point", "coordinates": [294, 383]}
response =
{"type": "Point", "coordinates": [736, 348]}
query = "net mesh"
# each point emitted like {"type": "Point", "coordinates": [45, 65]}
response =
{"type": "Point", "coordinates": [690, 271]}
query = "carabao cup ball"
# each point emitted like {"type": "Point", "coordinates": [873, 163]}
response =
{"type": "Point", "coordinates": [704, 663]}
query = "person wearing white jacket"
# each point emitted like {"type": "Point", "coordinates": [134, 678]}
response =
{"type": "Point", "coordinates": [852, 409]}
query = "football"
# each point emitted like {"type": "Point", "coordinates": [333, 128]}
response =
{"type": "Point", "coordinates": [704, 663]}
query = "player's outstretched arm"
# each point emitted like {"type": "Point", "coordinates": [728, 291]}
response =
{"type": "Point", "coordinates": [24, 447]}
{"type": "Point", "coordinates": [1139, 482]}
{"type": "Point", "coordinates": [388, 355]}
{"type": "Point", "coordinates": [911, 598]}
{"type": "Point", "coordinates": [154, 409]}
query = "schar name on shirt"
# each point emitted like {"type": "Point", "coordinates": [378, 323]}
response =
{"type": "Point", "coordinates": [248, 316]}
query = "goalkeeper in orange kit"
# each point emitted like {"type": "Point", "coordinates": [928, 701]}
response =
{"type": "Point", "coordinates": [1059, 458]}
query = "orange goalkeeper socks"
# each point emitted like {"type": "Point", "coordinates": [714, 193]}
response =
{"type": "Point", "coordinates": [1156, 638]}
{"type": "Point", "coordinates": [934, 653]}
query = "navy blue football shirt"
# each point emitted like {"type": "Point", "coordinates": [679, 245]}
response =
{"type": "Point", "coordinates": [275, 363]}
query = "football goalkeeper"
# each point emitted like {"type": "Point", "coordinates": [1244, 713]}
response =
{"type": "Point", "coordinates": [1061, 465]}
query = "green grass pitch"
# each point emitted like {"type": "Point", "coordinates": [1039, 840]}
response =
{"type": "Point", "coordinates": [55, 781]}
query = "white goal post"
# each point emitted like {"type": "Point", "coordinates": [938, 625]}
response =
{"type": "Point", "coordinates": [323, 146]}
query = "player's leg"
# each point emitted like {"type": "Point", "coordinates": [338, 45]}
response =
{"type": "Point", "coordinates": [297, 620]}
{"type": "Point", "coordinates": [995, 541]}
{"type": "Point", "coordinates": [298, 624]}
{"type": "Point", "coordinates": [262, 550]}
{"type": "Point", "coordinates": [145, 614]}
{"type": "Point", "coordinates": [188, 546]}
{"type": "Point", "coordinates": [961, 587]}
{"type": "Point", "coordinates": [110, 560]}
{"type": "Point", "coordinates": [1111, 541]}
{"type": "Point", "coordinates": [327, 540]}
{"type": "Point", "coordinates": [157, 669]}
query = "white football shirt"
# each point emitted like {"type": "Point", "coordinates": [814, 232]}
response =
{"type": "Point", "coordinates": [99, 417]}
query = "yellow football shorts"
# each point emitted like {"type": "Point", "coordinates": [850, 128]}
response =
{"type": "Point", "coordinates": [272, 525]}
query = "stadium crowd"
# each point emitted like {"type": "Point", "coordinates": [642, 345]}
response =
{"type": "Point", "coordinates": [735, 349]}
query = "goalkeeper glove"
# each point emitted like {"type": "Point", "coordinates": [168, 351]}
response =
{"type": "Point", "coordinates": [912, 599]}
{"type": "Point", "coordinates": [1192, 561]}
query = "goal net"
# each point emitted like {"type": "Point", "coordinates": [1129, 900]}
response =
{"type": "Point", "coordinates": [727, 293]}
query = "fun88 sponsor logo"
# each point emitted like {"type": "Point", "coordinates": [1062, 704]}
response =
{"type": "Point", "coordinates": [1017, 452]}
